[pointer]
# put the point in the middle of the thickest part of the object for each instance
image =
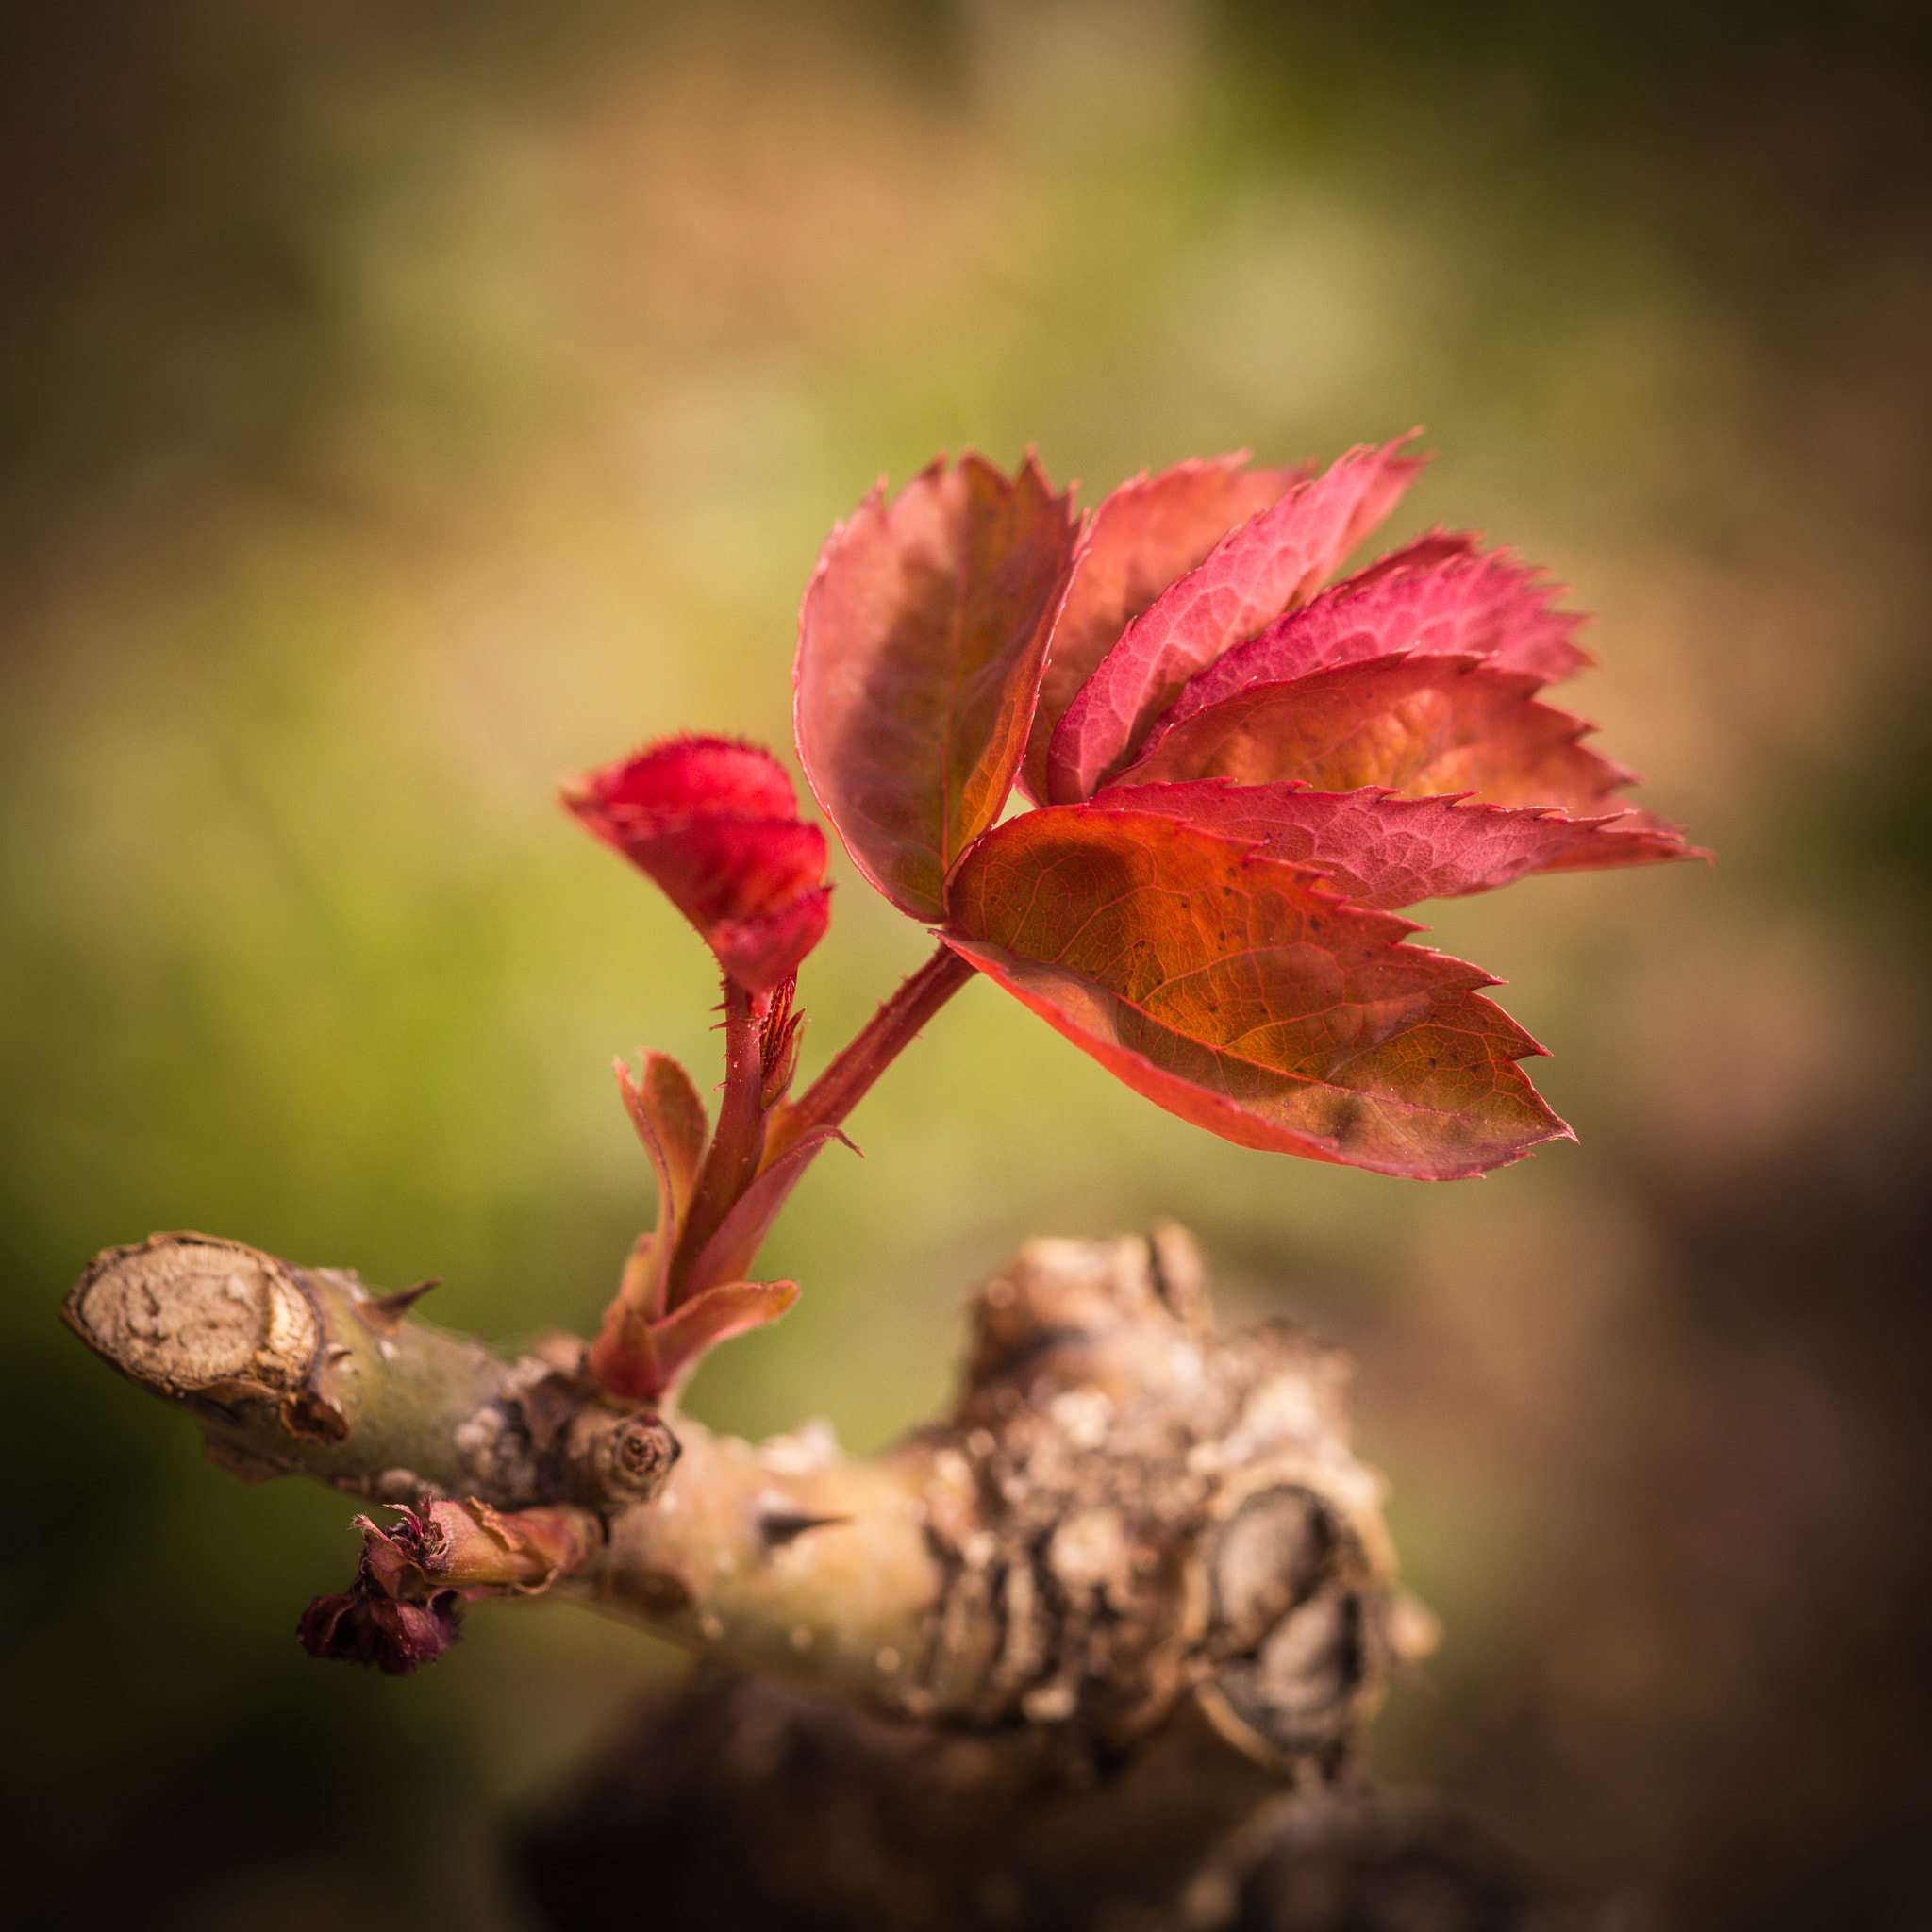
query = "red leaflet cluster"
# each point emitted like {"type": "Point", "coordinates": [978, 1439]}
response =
{"type": "Point", "coordinates": [716, 824]}
{"type": "Point", "coordinates": [1240, 771]}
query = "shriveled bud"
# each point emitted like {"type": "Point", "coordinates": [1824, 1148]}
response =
{"type": "Point", "coordinates": [364, 1627]}
{"type": "Point", "coordinates": [402, 1611]}
{"type": "Point", "coordinates": [716, 824]}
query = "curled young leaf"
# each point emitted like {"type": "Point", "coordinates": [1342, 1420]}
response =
{"type": "Point", "coordinates": [716, 824]}
{"type": "Point", "coordinates": [1241, 993]}
{"type": "Point", "coordinates": [920, 644]}
{"type": "Point", "coordinates": [669, 1117]}
{"type": "Point", "coordinates": [1269, 565]}
{"type": "Point", "coordinates": [778, 1041]}
{"type": "Point", "coordinates": [1143, 535]}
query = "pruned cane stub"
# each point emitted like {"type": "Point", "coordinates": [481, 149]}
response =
{"type": "Point", "coordinates": [292, 1371]}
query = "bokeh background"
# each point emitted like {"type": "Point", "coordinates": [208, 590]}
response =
{"type": "Point", "coordinates": [403, 405]}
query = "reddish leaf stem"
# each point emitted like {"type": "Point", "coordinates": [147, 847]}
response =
{"type": "Point", "coordinates": [849, 1079]}
{"type": "Point", "coordinates": [738, 1147]}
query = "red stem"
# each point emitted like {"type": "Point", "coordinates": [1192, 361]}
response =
{"type": "Point", "coordinates": [893, 1027]}
{"type": "Point", "coordinates": [738, 1147]}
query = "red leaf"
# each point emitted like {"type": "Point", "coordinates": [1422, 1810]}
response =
{"type": "Point", "coordinates": [716, 824]}
{"type": "Point", "coordinates": [1414, 600]}
{"type": "Point", "coordinates": [721, 871]}
{"type": "Point", "coordinates": [1241, 993]}
{"type": "Point", "coordinates": [1418, 724]}
{"type": "Point", "coordinates": [1384, 851]}
{"type": "Point", "coordinates": [681, 775]}
{"type": "Point", "coordinates": [624, 1357]}
{"type": "Point", "coordinates": [764, 949]}
{"type": "Point", "coordinates": [1420, 553]}
{"type": "Point", "coordinates": [670, 1120]}
{"type": "Point", "coordinates": [714, 1316]}
{"type": "Point", "coordinates": [919, 652]}
{"type": "Point", "coordinates": [732, 1249]}
{"type": "Point", "coordinates": [1266, 567]}
{"type": "Point", "coordinates": [1143, 537]}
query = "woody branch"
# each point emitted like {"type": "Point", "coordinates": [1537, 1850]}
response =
{"type": "Point", "coordinates": [1121, 1514]}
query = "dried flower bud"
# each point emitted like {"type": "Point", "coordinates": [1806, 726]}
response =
{"type": "Point", "coordinates": [716, 824]}
{"type": "Point", "coordinates": [401, 1613]}
{"type": "Point", "coordinates": [364, 1627]}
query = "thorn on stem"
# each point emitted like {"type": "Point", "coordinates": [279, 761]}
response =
{"type": "Point", "coordinates": [782, 1525]}
{"type": "Point", "coordinates": [385, 1313]}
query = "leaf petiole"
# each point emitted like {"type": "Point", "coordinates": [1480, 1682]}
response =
{"type": "Point", "coordinates": [890, 1031]}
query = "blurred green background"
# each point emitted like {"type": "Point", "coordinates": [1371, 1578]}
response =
{"type": "Point", "coordinates": [402, 406]}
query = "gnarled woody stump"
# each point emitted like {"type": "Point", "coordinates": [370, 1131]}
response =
{"type": "Point", "coordinates": [1131, 1586]}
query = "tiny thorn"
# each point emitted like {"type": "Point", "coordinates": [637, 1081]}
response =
{"type": "Point", "coordinates": [781, 1526]}
{"type": "Point", "coordinates": [385, 1311]}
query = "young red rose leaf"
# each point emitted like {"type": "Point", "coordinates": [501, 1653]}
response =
{"type": "Point", "coordinates": [1241, 993]}
{"type": "Point", "coordinates": [765, 949]}
{"type": "Point", "coordinates": [689, 775]}
{"type": "Point", "coordinates": [1269, 565]}
{"type": "Point", "coordinates": [1418, 724]}
{"type": "Point", "coordinates": [669, 1117]}
{"type": "Point", "coordinates": [920, 644]}
{"type": "Point", "coordinates": [716, 824]}
{"type": "Point", "coordinates": [731, 1250]}
{"type": "Point", "coordinates": [1464, 604]}
{"type": "Point", "coordinates": [1383, 851]}
{"type": "Point", "coordinates": [1143, 535]}
{"type": "Point", "coordinates": [624, 1357]}
{"type": "Point", "coordinates": [716, 1315]}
